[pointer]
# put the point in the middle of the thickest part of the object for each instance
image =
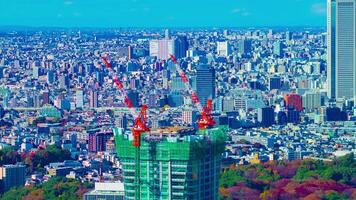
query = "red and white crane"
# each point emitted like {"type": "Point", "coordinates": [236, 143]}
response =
{"type": "Point", "coordinates": [140, 124]}
{"type": "Point", "coordinates": [206, 120]}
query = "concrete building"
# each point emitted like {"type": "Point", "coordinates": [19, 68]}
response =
{"type": "Point", "coordinates": [341, 49]}
{"type": "Point", "coordinates": [12, 176]}
{"type": "Point", "coordinates": [106, 191]}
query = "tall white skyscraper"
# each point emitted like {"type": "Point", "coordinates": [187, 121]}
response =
{"type": "Point", "coordinates": [161, 49]}
{"type": "Point", "coordinates": [79, 101]}
{"type": "Point", "coordinates": [341, 49]}
{"type": "Point", "coordinates": [223, 49]}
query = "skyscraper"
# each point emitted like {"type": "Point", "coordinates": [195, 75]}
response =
{"type": "Point", "coordinates": [205, 83]}
{"type": "Point", "coordinates": [79, 98]}
{"type": "Point", "coordinates": [341, 49]}
{"type": "Point", "coordinates": [224, 49]}
{"type": "Point", "coordinates": [162, 48]}
{"type": "Point", "coordinates": [278, 48]}
{"type": "Point", "coordinates": [93, 101]}
{"type": "Point", "coordinates": [12, 176]}
{"type": "Point", "coordinates": [245, 46]}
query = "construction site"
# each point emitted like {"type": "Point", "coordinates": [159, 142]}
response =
{"type": "Point", "coordinates": [178, 164]}
{"type": "Point", "coordinates": [172, 162]}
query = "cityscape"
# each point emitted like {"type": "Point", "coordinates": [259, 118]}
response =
{"type": "Point", "coordinates": [193, 110]}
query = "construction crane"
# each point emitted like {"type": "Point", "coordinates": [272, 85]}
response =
{"type": "Point", "coordinates": [139, 127]}
{"type": "Point", "coordinates": [206, 120]}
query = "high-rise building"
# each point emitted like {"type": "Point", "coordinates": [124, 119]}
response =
{"type": "Point", "coordinates": [189, 116]}
{"type": "Point", "coordinates": [223, 49]}
{"type": "Point", "coordinates": [97, 141]}
{"type": "Point", "coordinates": [266, 116]}
{"type": "Point", "coordinates": [312, 100]}
{"type": "Point", "coordinates": [12, 176]}
{"type": "Point", "coordinates": [205, 83]}
{"type": "Point", "coordinates": [35, 72]}
{"type": "Point", "coordinates": [186, 166]}
{"type": "Point", "coordinates": [134, 97]}
{"type": "Point", "coordinates": [331, 48]}
{"type": "Point", "coordinates": [293, 101]}
{"type": "Point", "coordinates": [245, 46]}
{"type": "Point", "coordinates": [79, 99]}
{"type": "Point", "coordinates": [166, 34]}
{"type": "Point", "coordinates": [341, 49]}
{"type": "Point", "coordinates": [45, 97]}
{"type": "Point", "coordinates": [93, 99]}
{"type": "Point", "coordinates": [64, 81]}
{"type": "Point", "coordinates": [278, 48]}
{"type": "Point", "coordinates": [50, 77]}
{"type": "Point", "coordinates": [163, 48]}
{"type": "Point", "coordinates": [275, 83]}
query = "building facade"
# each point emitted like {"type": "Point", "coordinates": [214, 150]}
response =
{"type": "Point", "coordinates": [341, 49]}
{"type": "Point", "coordinates": [184, 166]}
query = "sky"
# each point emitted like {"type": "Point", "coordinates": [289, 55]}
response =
{"type": "Point", "coordinates": [162, 13]}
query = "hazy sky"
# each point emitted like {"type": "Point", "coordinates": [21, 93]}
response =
{"type": "Point", "coordinates": [162, 13]}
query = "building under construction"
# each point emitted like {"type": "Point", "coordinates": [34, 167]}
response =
{"type": "Point", "coordinates": [171, 163]}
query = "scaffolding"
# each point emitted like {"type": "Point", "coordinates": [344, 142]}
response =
{"type": "Point", "coordinates": [172, 167]}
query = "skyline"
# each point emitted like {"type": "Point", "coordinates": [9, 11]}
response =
{"type": "Point", "coordinates": [128, 13]}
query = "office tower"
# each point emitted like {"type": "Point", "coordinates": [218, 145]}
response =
{"type": "Point", "coordinates": [177, 84]}
{"type": "Point", "coordinates": [64, 81]}
{"type": "Point", "coordinates": [293, 116]}
{"type": "Point", "coordinates": [189, 116]}
{"type": "Point", "coordinates": [274, 83]}
{"type": "Point", "coordinates": [45, 97]}
{"type": "Point", "coordinates": [293, 101]}
{"type": "Point", "coordinates": [226, 33]}
{"type": "Point", "coordinates": [335, 114]}
{"type": "Point", "coordinates": [121, 121]}
{"type": "Point", "coordinates": [205, 83]}
{"type": "Point", "coordinates": [30, 101]}
{"type": "Point", "coordinates": [12, 176]}
{"type": "Point", "coordinates": [99, 76]}
{"type": "Point", "coordinates": [35, 72]}
{"type": "Point", "coordinates": [166, 34]}
{"type": "Point", "coordinates": [37, 100]}
{"type": "Point", "coordinates": [185, 166]}
{"type": "Point", "coordinates": [97, 141]}
{"type": "Point", "coordinates": [289, 36]}
{"type": "Point", "coordinates": [93, 99]}
{"type": "Point", "coordinates": [223, 49]}
{"type": "Point", "coordinates": [228, 104]}
{"type": "Point", "coordinates": [181, 46]}
{"type": "Point", "coordinates": [266, 116]}
{"type": "Point", "coordinates": [134, 97]}
{"type": "Point", "coordinates": [341, 49]}
{"type": "Point", "coordinates": [282, 118]}
{"type": "Point", "coordinates": [50, 77]}
{"type": "Point", "coordinates": [312, 100]}
{"type": "Point", "coordinates": [245, 46]}
{"type": "Point", "coordinates": [79, 99]}
{"type": "Point", "coordinates": [131, 52]}
{"type": "Point", "coordinates": [278, 48]}
{"type": "Point", "coordinates": [65, 104]}
{"type": "Point", "coordinates": [1, 72]}
{"type": "Point", "coordinates": [163, 48]}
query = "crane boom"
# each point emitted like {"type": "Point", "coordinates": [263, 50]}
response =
{"type": "Point", "coordinates": [206, 120]}
{"type": "Point", "coordinates": [140, 125]}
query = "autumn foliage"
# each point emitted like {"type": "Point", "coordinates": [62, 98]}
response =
{"type": "Point", "coordinates": [307, 180]}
